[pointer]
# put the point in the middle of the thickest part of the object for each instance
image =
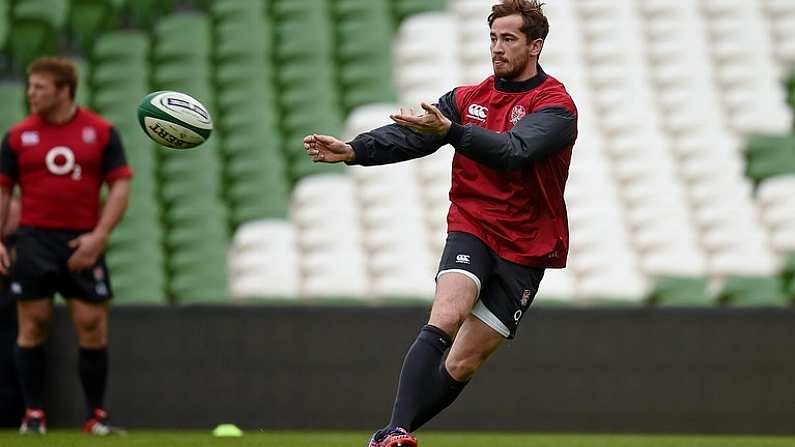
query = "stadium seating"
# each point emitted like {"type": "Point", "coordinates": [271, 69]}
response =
{"type": "Point", "coordinates": [12, 96]}
{"type": "Point", "coordinates": [680, 291]}
{"type": "Point", "coordinates": [309, 98]}
{"type": "Point", "coordinates": [194, 215]}
{"type": "Point", "coordinates": [87, 18]}
{"type": "Point", "coordinates": [34, 26]}
{"type": "Point", "coordinates": [753, 291]}
{"type": "Point", "coordinates": [329, 237]}
{"type": "Point", "coordinates": [682, 171]}
{"type": "Point", "coordinates": [4, 7]}
{"type": "Point", "coordinates": [120, 77]}
{"type": "Point", "coordinates": [365, 65]}
{"type": "Point", "coordinates": [777, 205]}
{"type": "Point", "coordinates": [253, 161]}
{"type": "Point", "coordinates": [263, 261]}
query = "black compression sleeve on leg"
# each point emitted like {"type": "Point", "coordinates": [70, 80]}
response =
{"type": "Point", "coordinates": [30, 363]}
{"type": "Point", "coordinates": [419, 388]}
{"type": "Point", "coordinates": [447, 389]}
{"type": "Point", "coordinates": [92, 365]}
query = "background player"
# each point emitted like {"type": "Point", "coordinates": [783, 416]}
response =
{"type": "Point", "coordinates": [513, 135]}
{"type": "Point", "coordinates": [60, 156]}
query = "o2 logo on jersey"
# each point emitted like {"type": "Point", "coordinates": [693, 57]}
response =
{"type": "Point", "coordinates": [60, 160]}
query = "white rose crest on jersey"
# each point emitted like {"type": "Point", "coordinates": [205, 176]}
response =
{"type": "Point", "coordinates": [518, 112]}
{"type": "Point", "coordinates": [60, 160]}
{"type": "Point", "coordinates": [478, 112]}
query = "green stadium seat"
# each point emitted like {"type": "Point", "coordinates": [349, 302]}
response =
{"type": "Point", "coordinates": [34, 24]}
{"type": "Point", "coordinates": [303, 166]}
{"type": "Point", "coordinates": [187, 75]}
{"type": "Point", "coordinates": [768, 156]}
{"type": "Point", "coordinates": [192, 214]}
{"type": "Point", "coordinates": [3, 22]}
{"type": "Point", "coordinates": [404, 8]}
{"type": "Point", "coordinates": [87, 18]}
{"type": "Point", "coordinates": [190, 44]}
{"type": "Point", "coordinates": [306, 39]}
{"type": "Point", "coordinates": [243, 75]}
{"type": "Point", "coordinates": [788, 277]}
{"type": "Point", "coordinates": [681, 291]}
{"type": "Point", "coordinates": [12, 96]}
{"type": "Point", "coordinates": [752, 291]}
{"type": "Point", "coordinates": [263, 96]}
{"type": "Point", "coordinates": [122, 46]}
{"type": "Point", "coordinates": [287, 9]}
{"type": "Point", "coordinates": [788, 270]}
{"type": "Point", "coordinates": [117, 99]}
{"type": "Point", "coordinates": [304, 79]}
{"type": "Point", "coordinates": [242, 42]}
{"type": "Point", "coordinates": [113, 74]}
{"type": "Point", "coordinates": [144, 13]}
{"type": "Point", "coordinates": [49, 12]}
{"type": "Point", "coordinates": [182, 238]}
{"type": "Point", "coordinates": [83, 94]}
{"type": "Point", "coordinates": [236, 10]}
{"type": "Point", "coordinates": [361, 9]}
{"type": "Point", "coordinates": [791, 91]}
{"type": "Point", "coordinates": [368, 95]}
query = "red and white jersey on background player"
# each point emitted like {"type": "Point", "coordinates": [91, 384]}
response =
{"type": "Point", "coordinates": [60, 168]}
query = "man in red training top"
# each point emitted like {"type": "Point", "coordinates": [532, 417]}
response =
{"type": "Point", "coordinates": [60, 156]}
{"type": "Point", "coordinates": [513, 136]}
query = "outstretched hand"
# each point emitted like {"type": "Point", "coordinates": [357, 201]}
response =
{"type": "Point", "coordinates": [326, 149]}
{"type": "Point", "coordinates": [431, 122]}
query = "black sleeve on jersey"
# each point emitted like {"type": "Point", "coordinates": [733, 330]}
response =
{"type": "Point", "coordinates": [395, 143]}
{"type": "Point", "coordinates": [8, 160]}
{"type": "Point", "coordinates": [535, 136]}
{"type": "Point", "coordinates": [113, 157]}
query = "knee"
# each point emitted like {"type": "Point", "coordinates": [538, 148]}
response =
{"type": "Point", "coordinates": [90, 326]}
{"type": "Point", "coordinates": [463, 368]}
{"type": "Point", "coordinates": [448, 314]}
{"type": "Point", "coordinates": [33, 330]}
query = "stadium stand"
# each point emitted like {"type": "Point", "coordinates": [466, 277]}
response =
{"type": "Point", "coordinates": [195, 217]}
{"type": "Point", "coordinates": [248, 117]}
{"type": "Point", "coordinates": [35, 25]}
{"type": "Point", "coordinates": [681, 184]}
{"type": "Point", "coordinates": [120, 77]}
{"type": "Point", "coordinates": [364, 65]}
{"type": "Point", "coordinates": [3, 22]}
{"type": "Point", "coordinates": [12, 95]}
{"type": "Point", "coordinates": [88, 18]}
{"type": "Point", "coordinates": [306, 79]}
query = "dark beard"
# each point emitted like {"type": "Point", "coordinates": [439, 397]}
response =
{"type": "Point", "coordinates": [516, 71]}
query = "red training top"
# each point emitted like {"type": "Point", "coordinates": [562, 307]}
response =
{"type": "Point", "coordinates": [513, 144]}
{"type": "Point", "coordinates": [60, 168]}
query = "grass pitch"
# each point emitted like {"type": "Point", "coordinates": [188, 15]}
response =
{"type": "Point", "coordinates": [9, 438]}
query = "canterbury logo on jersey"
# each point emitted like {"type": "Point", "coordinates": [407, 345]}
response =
{"type": "Point", "coordinates": [60, 160]}
{"type": "Point", "coordinates": [477, 112]}
{"type": "Point", "coordinates": [30, 138]}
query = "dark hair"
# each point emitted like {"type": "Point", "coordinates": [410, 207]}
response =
{"type": "Point", "coordinates": [63, 71]}
{"type": "Point", "coordinates": [535, 24]}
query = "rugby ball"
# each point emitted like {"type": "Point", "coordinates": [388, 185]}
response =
{"type": "Point", "coordinates": [174, 119]}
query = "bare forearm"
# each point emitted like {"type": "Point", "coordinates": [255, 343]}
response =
{"type": "Point", "coordinates": [5, 202]}
{"type": "Point", "coordinates": [114, 208]}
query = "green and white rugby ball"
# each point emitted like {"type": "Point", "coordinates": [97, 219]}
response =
{"type": "Point", "coordinates": [174, 119]}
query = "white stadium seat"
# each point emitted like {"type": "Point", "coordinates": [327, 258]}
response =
{"type": "Point", "coordinates": [667, 93]}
